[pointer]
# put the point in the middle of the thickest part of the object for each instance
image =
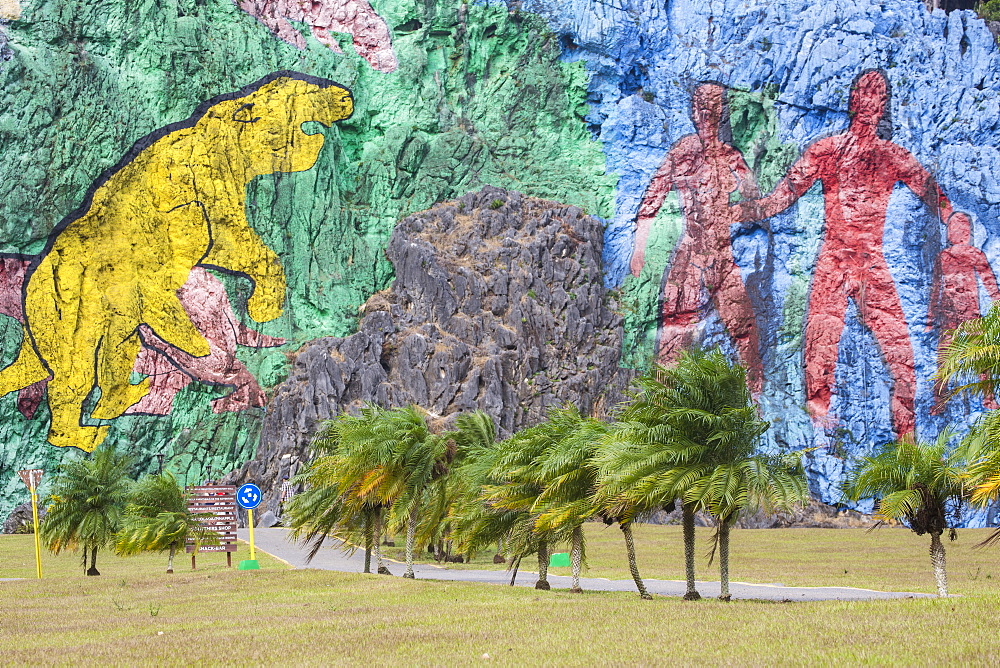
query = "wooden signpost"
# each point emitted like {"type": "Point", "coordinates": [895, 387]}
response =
{"type": "Point", "coordinates": [220, 501]}
{"type": "Point", "coordinates": [31, 478]}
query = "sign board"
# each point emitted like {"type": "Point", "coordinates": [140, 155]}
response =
{"type": "Point", "coordinates": [218, 502]}
{"type": "Point", "coordinates": [559, 559]}
{"type": "Point", "coordinates": [31, 478]}
{"type": "Point", "coordinates": [249, 496]}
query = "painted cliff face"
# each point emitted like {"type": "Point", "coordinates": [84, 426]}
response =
{"type": "Point", "coordinates": [875, 231]}
{"type": "Point", "coordinates": [10, 10]}
{"type": "Point", "coordinates": [115, 273]}
{"type": "Point", "coordinates": [367, 29]}
{"type": "Point", "coordinates": [809, 185]}
{"type": "Point", "coordinates": [182, 359]}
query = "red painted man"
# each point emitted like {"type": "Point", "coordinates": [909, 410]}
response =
{"type": "Point", "coordinates": [858, 170]}
{"type": "Point", "coordinates": [705, 171]}
{"type": "Point", "coordinates": [955, 288]}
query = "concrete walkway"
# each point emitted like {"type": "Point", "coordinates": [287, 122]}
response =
{"type": "Point", "coordinates": [277, 542]}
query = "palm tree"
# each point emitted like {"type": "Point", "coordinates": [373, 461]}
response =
{"type": "Point", "coordinates": [474, 439]}
{"type": "Point", "coordinates": [918, 483]}
{"type": "Point", "coordinates": [475, 524]}
{"type": "Point", "coordinates": [691, 432]}
{"type": "Point", "coordinates": [417, 459]}
{"type": "Point", "coordinates": [651, 454]}
{"type": "Point", "coordinates": [980, 450]}
{"type": "Point", "coordinates": [88, 500]}
{"type": "Point", "coordinates": [333, 501]}
{"type": "Point", "coordinates": [735, 480]}
{"type": "Point", "coordinates": [567, 473]}
{"type": "Point", "coordinates": [376, 472]}
{"type": "Point", "coordinates": [157, 519]}
{"type": "Point", "coordinates": [630, 458]}
{"type": "Point", "coordinates": [502, 488]}
{"type": "Point", "coordinates": [972, 357]}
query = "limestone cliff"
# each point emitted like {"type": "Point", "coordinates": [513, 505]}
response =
{"type": "Point", "coordinates": [498, 304]}
{"type": "Point", "coordinates": [665, 120]}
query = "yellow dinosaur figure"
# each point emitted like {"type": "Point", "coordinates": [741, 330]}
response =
{"type": "Point", "coordinates": [176, 200]}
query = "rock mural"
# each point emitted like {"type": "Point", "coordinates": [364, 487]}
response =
{"type": "Point", "coordinates": [355, 17]}
{"type": "Point", "coordinates": [865, 125]}
{"type": "Point", "coordinates": [171, 369]}
{"type": "Point", "coordinates": [858, 170]}
{"type": "Point", "coordinates": [704, 170]}
{"type": "Point", "coordinates": [112, 270]}
{"type": "Point", "coordinates": [809, 185]}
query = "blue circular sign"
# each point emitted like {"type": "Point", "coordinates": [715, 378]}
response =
{"type": "Point", "coordinates": [249, 496]}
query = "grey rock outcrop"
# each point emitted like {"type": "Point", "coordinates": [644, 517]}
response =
{"type": "Point", "coordinates": [498, 304]}
{"type": "Point", "coordinates": [20, 517]}
{"type": "Point", "coordinates": [815, 515]}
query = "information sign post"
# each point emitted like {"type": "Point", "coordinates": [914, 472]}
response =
{"type": "Point", "coordinates": [31, 478]}
{"type": "Point", "coordinates": [249, 497]}
{"type": "Point", "coordinates": [216, 506]}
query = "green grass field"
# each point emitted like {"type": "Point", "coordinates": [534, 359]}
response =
{"type": "Point", "coordinates": [135, 613]}
{"type": "Point", "coordinates": [793, 557]}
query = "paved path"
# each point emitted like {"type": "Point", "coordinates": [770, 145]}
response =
{"type": "Point", "coordinates": [276, 542]}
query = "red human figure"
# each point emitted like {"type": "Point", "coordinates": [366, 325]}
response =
{"type": "Point", "coordinates": [955, 290]}
{"type": "Point", "coordinates": [171, 370]}
{"type": "Point", "coordinates": [858, 169]}
{"type": "Point", "coordinates": [705, 171]}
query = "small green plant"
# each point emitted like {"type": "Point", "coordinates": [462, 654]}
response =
{"type": "Point", "coordinates": [496, 204]}
{"type": "Point", "coordinates": [989, 10]}
{"type": "Point", "coordinates": [531, 293]}
{"type": "Point", "coordinates": [25, 527]}
{"type": "Point", "coordinates": [648, 96]}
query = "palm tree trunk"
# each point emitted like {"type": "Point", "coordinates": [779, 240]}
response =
{"type": "Point", "coordinates": [381, 568]}
{"type": "Point", "coordinates": [369, 530]}
{"type": "Point", "coordinates": [937, 561]}
{"type": "Point", "coordinates": [576, 559]}
{"type": "Point", "coordinates": [411, 534]}
{"type": "Point", "coordinates": [93, 561]}
{"type": "Point", "coordinates": [724, 526]}
{"type": "Point", "coordinates": [688, 521]}
{"type": "Point", "coordinates": [632, 565]}
{"type": "Point", "coordinates": [543, 566]}
{"type": "Point", "coordinates": [170, 558]}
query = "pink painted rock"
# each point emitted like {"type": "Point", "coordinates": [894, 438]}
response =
{"type": "Point", "coordinates": [355, 17]}
{"type": "Point", "coordinates": [171, 370]}
{"type": "Point", "coordinates": [12, 270]}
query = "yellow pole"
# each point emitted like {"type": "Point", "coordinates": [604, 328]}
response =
{"type": "Point", "coordinates": [253, 555]}
{"type": "Point", "coordinates": [38, 543]}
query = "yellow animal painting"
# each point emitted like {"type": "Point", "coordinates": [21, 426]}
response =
{"type": "Point", "coordinates": [174, 202]}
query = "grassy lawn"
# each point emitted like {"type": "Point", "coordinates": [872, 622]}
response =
{"type": "Point", "coordinates": [135, 613]}
{"type": "Point", "coordinates": [887, 559]}
{"type": "Point", "coordinates": [17, 560]}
